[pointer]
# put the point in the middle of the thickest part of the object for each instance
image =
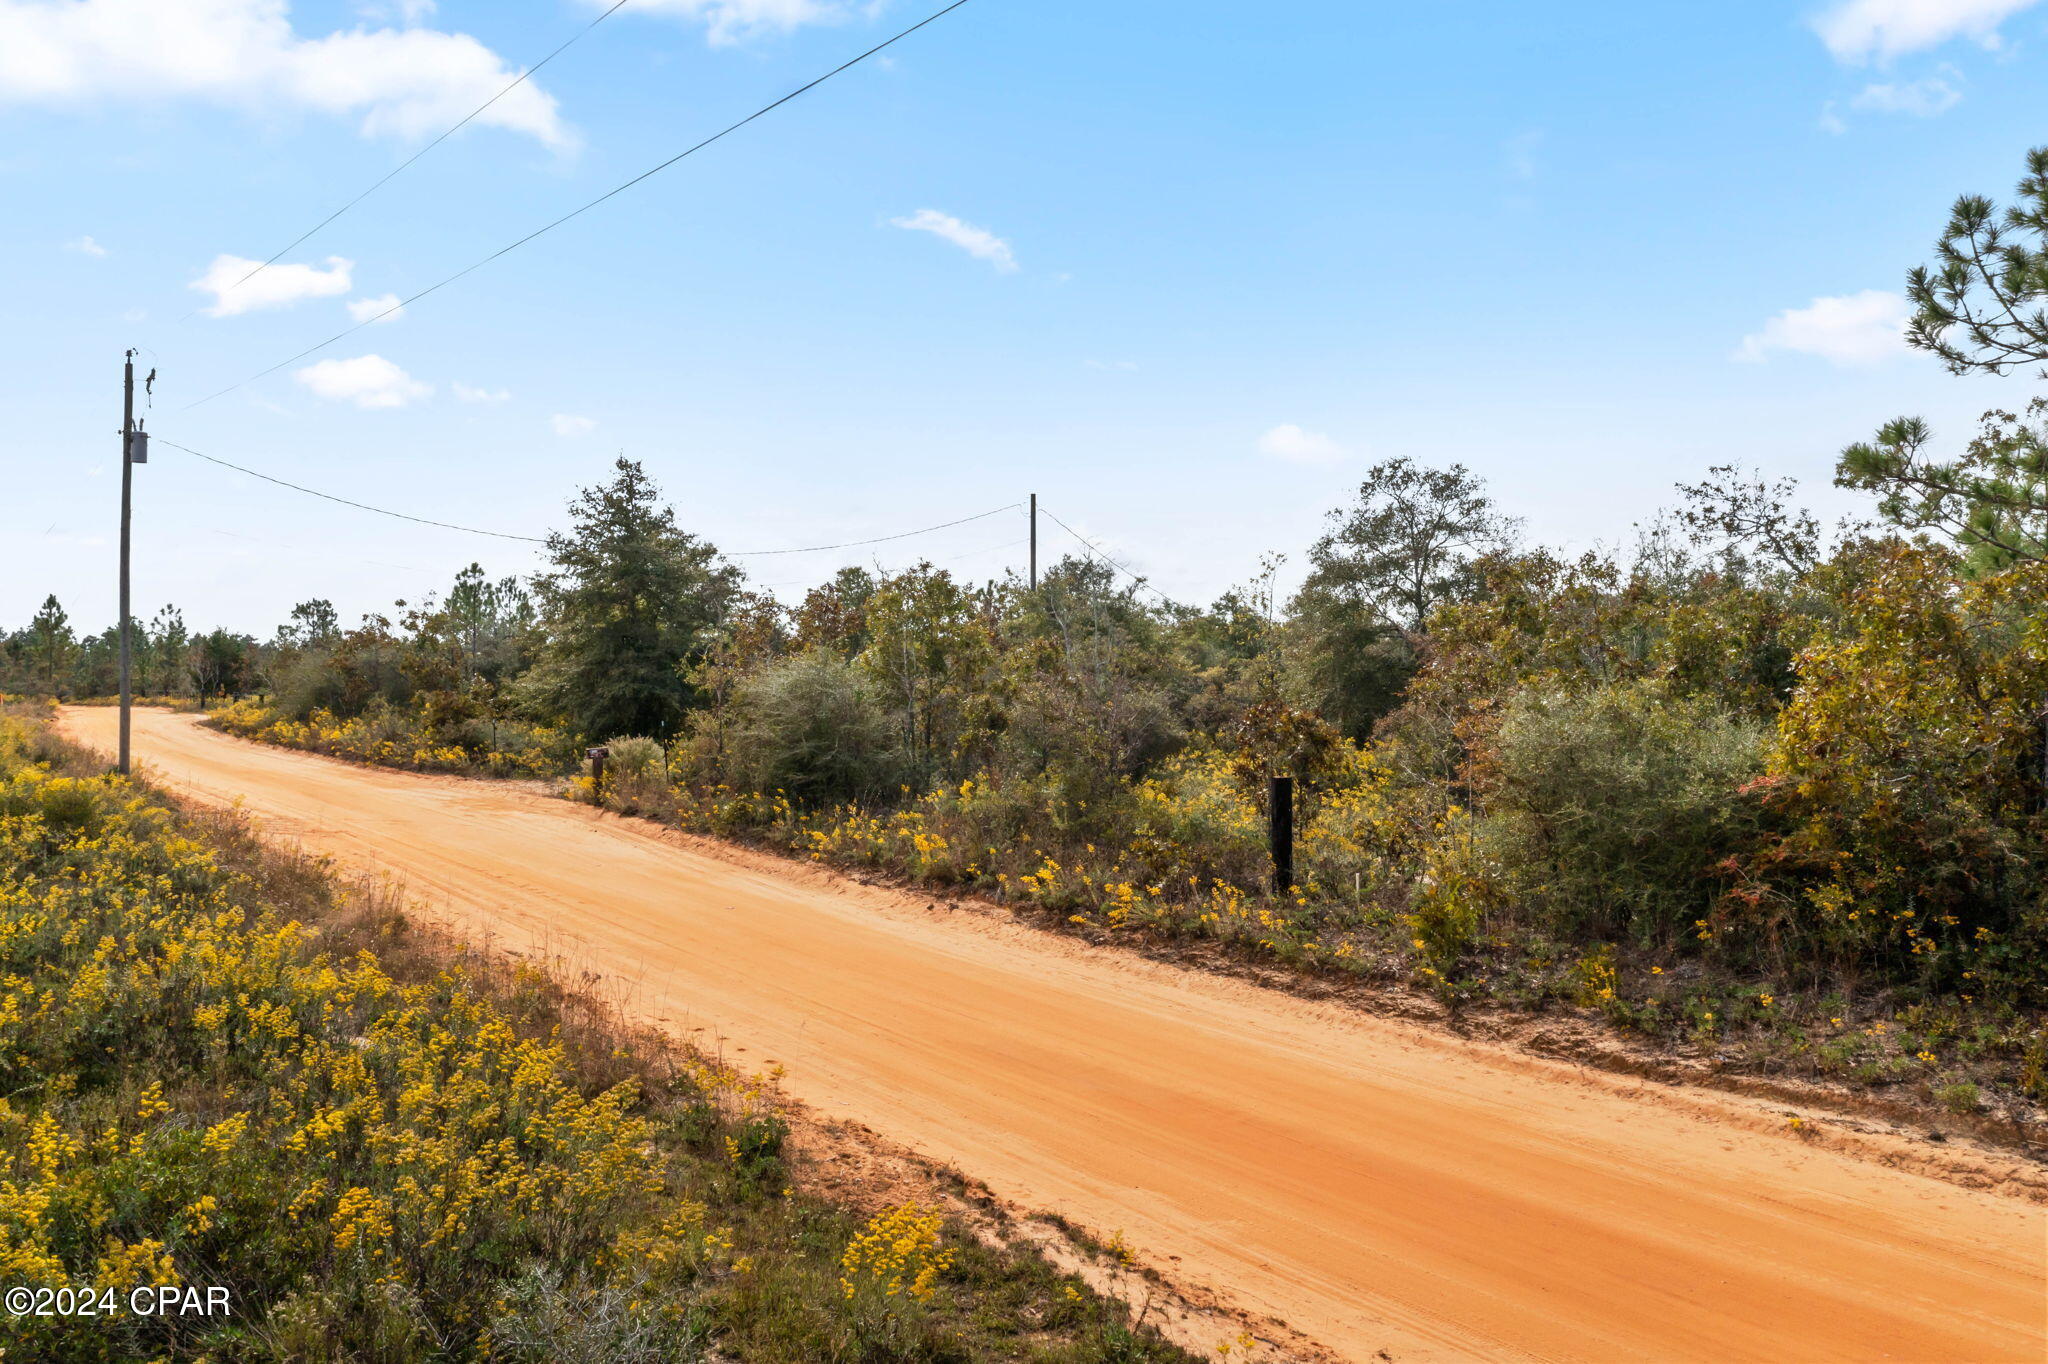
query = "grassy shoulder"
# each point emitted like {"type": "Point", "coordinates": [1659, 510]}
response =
{"type": "Point", "coordinates": [221, 1070]}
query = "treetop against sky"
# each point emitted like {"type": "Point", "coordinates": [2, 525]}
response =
{"type": "Point", "coordinates": [1170, 268]}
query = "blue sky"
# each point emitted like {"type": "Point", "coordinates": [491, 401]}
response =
{"type": "Point", "coordinates": [1185, 271]}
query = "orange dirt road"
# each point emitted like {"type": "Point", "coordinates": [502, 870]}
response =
{"type": "Point", "coordinates": [1375, 1185]}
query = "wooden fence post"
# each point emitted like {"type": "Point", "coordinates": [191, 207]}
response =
{"type": "Point", "coordinates": [1280, 830]}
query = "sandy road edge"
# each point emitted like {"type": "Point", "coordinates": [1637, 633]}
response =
{"type": "Point", "coordinates": [1815, 1117]}
{"type": "Point", "coordinates": [852, 1164]}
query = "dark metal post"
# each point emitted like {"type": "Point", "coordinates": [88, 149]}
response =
{"type": "Point", "coordinates": [127, 486]}
{"type": "Point", "coordinates": [597, 757]}
{"type": "Point", "coordinates": [1280, 825]}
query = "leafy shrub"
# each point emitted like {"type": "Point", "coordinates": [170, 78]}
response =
{"type": "Point", "coordinates": [1607, 808]}
{"type": "Point", "coordinates": [393, 736]}
{"type": "Point", "coordinates": [1910, 765]}
{"type": "Point", "coordinates": [636, 776]}
{"type": "Point", "coordinates": [814, 727]}
{"type": "Point", "coordinates": [306, 683]}
{"type": "Point", "coordinates": [635, 757]}
{"type": "Point", "coordinates": [1197, 818]}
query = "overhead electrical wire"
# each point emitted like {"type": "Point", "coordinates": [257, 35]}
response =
{"type": "Point", "coordinates": [954, 558]}
{"type": "Point", "coordinates": [1083, 540]}
{"type": "Point", "coordinates": [400, 169]}
{"type": "Point", "coordinates": [878, 540]}
{"type": "Point", "coordinates": [578, 212]}
{"type": "Point", "coordinates": [541, 539]}
{"type": "Point", "coordinates": [1092, 549]}
{"type": "Point", "coordinates": [347, 502]}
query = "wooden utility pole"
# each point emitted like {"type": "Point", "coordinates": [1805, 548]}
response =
{"type": "Point", "coordinates": [127, 486]}
{"type": "Point", "coordinates": [1034, 542]}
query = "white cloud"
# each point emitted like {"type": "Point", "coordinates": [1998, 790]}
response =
{"type": "Point", "coordinates": [1296, 446]}
{"type": "Point", "coordinates": [277, 287]}
{"type": "Point", "coordinates": [405, 82]}
{"type": "Point", "coordinates": [366, 381]}
{"type": "Point", "coordinates": [1832, 122]}
{"type": "Point", "coordinates": [1921, 98]}
{"type": "Point", "coordinates": [1859, 30]}
{"type": "Point", "coordinates": [406, 12]}
{"type": "Point", "coordinates": [1855, 329]}
{"type": "Point", "coordinates": [86, 246]}
{"type": "Point", "coordinates": [566, 425]}
{"type": "Point", "coordinates": [733, 21]}
{"type": "Point", "coordinates": [464, 393]}
{"type": "Point", "coordinates": [977, 242]}
{"type": "Point", "coordinates": [383, 308]}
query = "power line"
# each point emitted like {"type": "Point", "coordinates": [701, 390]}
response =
{"type": "Point", "coordinates": [955, 558]}
{"type": "Point", "coordinates": [541, 540]}
{"type": "Point", "coordinates": [1091, 548]}
{"type": "Point", "coordinates": [878, 540]}
{"type": "Point", "coordinates": [468, 118]}
{"type": "Point", "coordinates": [347, 502]}
{"type": "Point", "coordinates": [576, 213]}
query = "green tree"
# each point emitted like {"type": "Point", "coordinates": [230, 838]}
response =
{"type": "Point", "coordinates": [930, 650]}
{"type": "Point", "coordinates": [168, 643]}
{"type": "Point", "coordinates": [313, 625]}
{"type": "Point", "coordinates": [222, 664]}
{"type": "Point", "coordinates": [834, 615]}
{"type": "Point", "coordinates": [1606, 807]}
{"type": "Point", "coordinates": [631, 604]}
{"type": "Point", "coordinates": [485, 620]}
{"type": "Point", "coordinates": [1983, 309]}
{"type": "Point", "coordinates": [1910, 766]}
{"type": "Point", "coordinates": [96, 666]}
{"type": "Point", "coordinates": [1748, 527]}
{"type": "Point", "coordinates": [1088, 688]}
{"type": "Point", "coordinates": [52, 644]}
{"type": "Point", "coordinates": [1981, 306]}
{"type": "Point", "coordinates": [750, 638]}
{"type": "Point", "coordinates": [1407, 545]}
{"type": "Point", "coordinates": [1992, 500]}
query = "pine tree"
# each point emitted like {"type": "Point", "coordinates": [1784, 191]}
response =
{"type": "Point", "coordinates": [53, 644]}
{"type": "Point", "coordinates": [1983, 309]}
{"type": "Point", "coordinates": [169, 642]}
{"type": "Point", "coordinates": [631, 604]}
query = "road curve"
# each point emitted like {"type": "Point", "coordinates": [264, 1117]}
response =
{"type": "Point", "coordinates": [1375, 1185]}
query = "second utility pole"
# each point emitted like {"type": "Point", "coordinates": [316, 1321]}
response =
{"type": "Point", "coordinates": [1034, 542]}
{"type": "Point", "coordinates": [127, 486]}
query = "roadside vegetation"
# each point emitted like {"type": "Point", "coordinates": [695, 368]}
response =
{"type": "Point", "coordinates": [1761, 792]}
{"type": "Point", "coordinates": [221, 1071]}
